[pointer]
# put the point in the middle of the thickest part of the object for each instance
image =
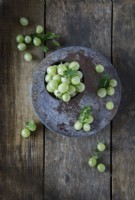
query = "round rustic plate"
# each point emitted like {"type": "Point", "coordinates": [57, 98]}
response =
{"type": "Point", "coordinates": [59, 116]}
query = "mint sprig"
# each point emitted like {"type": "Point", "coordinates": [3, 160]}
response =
{"type": "Point", "coordinates": [70, 73]}
{"type": "Point", "coordinates": [84, 114]}
{"type": "Point", "coordinates": [49, 36]}
{"type": "Point", "coordinates": [97, 154]}
{"type": "Point", "coordinates": [104, 82]}
{"type": "Point", "coordinates": [44, 48]}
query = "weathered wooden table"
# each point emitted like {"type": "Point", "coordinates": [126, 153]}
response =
{"type": "Point", "coordinates": [49, 166]}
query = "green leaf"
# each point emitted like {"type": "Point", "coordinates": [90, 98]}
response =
{"type": "Point", "coordinates": [87, 119]}
{"type": "Point", "coordinates": [85, 110]}
{"type": "Point", "coordinates": [104, 82]}
{"type": "Point", "coordinates": [84, 114]}
{"type": "Point", "coordinates": [70, 73]}
{"type": "Point", "coordinates": [50, 35]}
{"type": "Point", "coordinates": [44, 48]}
{"type": "Point", "coordinates": [81, 118]}
{"type": "Point", "coordinates": [97, 154]}
{"type": "Point", "coordinates": [56, 43]}
{"type": "Point", "coordinates": [45, 37]}
{"type": "Point", "coordinates": [36, 35]}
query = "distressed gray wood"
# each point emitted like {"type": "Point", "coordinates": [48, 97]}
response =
{"type": "Point", "coordinates": [120, 2]}
{"type": "Point", "coordinates": [124, 124]}
{"type": "Point", "coordinates": [67, 174]}
{"type": "Point", "coordinates": [21, 160]}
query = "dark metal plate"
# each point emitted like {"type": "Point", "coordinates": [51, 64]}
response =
{"type": "Point", "coordinates": [59, 116]}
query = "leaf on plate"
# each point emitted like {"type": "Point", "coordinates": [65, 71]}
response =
{"type": "Point", "coordinates": [104, 82]}
{"type": "Point", "coordinates": [84, 114]}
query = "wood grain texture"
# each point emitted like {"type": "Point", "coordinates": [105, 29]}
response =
{"type": "Point", "coordinates": [124, 124]}
{"type": "Point", "coordinates": [120, 2]}
{"type": "Point", "coordinates": [21, 160]}
{"type": "Point", "coordinates": [67, 174]}
{"type": "Point", "coordinates": [83, 1]}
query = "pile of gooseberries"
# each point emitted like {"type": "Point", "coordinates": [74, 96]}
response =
{"type": "Point", "coordinates": [37, 39]}
{"type": "Point", "coordinates": [64, 80]}
{"type": "Point", "coordinates": [93, 161]}
{"type": "Point", "coordinates": [110, 90]}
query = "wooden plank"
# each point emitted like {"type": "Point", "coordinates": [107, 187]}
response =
{"type": "Point", "coordinates": [67, 174]}
{"type": "Point", "coordinates": [124, 123]}
{"type": "Point", "coordinates": [21, 160]}
{"type": "Point", "coordinates": [123, 1]}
